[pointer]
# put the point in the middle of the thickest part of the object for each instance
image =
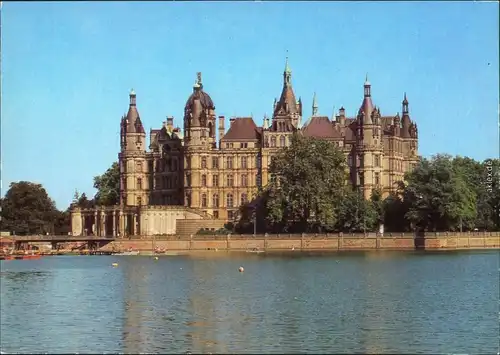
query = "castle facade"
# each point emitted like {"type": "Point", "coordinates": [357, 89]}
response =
{"type": "Point", "coordinates": [196, 173]}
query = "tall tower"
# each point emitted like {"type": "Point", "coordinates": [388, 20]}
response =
{"type": "Point", "coordinates": [369, 144]}
{"type": "Point", "coordinates": [134, 189]}
{"type": "Point", "coordinates": [287, 111]}
{"type": "Point", "coordinates": [199, 141]}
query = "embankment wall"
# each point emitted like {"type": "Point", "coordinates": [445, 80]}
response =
{"type": "Point", "coordinates": [316, 242]}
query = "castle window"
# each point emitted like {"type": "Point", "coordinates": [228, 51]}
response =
{"type": "Point", "coordinates": [258, 180]}
{"type": "Point", "coordinates": [229, 200]}
{"type": "Point", "coordinates": [138, 140]}
{"type": "Point", "coordinates": [243, 162]}
{"type": "Point", "coordinates": [258, 161]}
{"type": "Point", "coordinates": [215, 200]}
{"type": "Point", "coordinates": [244, 180]}
{"type": "Point", "coordinates": [204, 180]}
{"type": "Point", "coordinates": [139, 184]}
{"type": "Point", "coordinates": [188, 199]}
{"type": "Point", "coordinates": [216, 214]}
{"type": "Point", "coordinates": [282, 141]}
{"type": "Point", "coordinates": [139, 166]}
{"type": "Point", "coordinates": [203, 162]}
{"type": "Point", "coordinates": [230, 180]}
{"type": "Point", "coordinates": [377, 179]}
{"type": "Point", "coordinates": [204, 200]}
{"type": "Point", "coordinates": [215, 180]}
{"type": "Point", "coordinates": [215, 162]}
{"type": "Point", "coordinates": [244, 199]}
{"type": "Point", "coordinates": [139, 201]}
{"type": "Point", "coordinates": [229, 162]}
{"type": "Point", "coordinates": [377, 160]}
{"type": "Point", "coordinates": [273, 142]}
{"type": "Point", "coordinates": [266, 144]}
{"type": "Point", "coordinates": [188, 180]}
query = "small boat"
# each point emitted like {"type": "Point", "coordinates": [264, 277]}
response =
{"type": "Point", "coordinates": [130, 252]}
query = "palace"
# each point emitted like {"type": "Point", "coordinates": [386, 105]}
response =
{"type": "Point", "coordinates": [196, 178]}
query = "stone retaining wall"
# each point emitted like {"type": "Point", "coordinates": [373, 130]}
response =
{"type": "Point", "coordinates": [317, 242]}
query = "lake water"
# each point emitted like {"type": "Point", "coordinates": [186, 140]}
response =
{"type": "Point", "coordinates": [376, 302]}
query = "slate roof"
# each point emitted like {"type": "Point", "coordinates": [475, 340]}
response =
{"type": "Point", "coordinates": [242, 128]}
{"type": "Point", "coordinates": [320, 127]}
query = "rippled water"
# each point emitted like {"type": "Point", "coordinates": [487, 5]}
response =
{"type": "Point", "coordinates": [338, 303]}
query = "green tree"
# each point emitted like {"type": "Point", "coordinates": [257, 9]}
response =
{"type": "Point", "coordinates": [378, 205]}
{"type": "Point", "coordinates": [27, 209]}
{"type": "Point", "coordinates": [307, 178]}
{"type": "Point", "coordinates": [439, 197]}
{"type": "Point", "coordinates": [395, 210]}
{"type": "Point", "coordinates": [108, 186]}
{"type": "Point", "coordinates": [355, 213]}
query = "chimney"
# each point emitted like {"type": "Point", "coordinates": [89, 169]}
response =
{"type": "Point", "coordinates": [342, 116]}
{"type": "Point", "coordinates": [221, 128]}
{"type": "Point", "coordinates": [231, 121]}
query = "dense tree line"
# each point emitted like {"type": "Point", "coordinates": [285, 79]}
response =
{"type": "Point", "coordinates": [307, 193]}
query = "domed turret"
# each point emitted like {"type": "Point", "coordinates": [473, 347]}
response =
{"type": "Point", "coordinates": [198, 94]}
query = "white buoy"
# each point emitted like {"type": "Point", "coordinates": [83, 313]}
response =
{"type": "Point", "coordinates": [156, 258]}
{"type": "Point", "coordinates": [240, 269]}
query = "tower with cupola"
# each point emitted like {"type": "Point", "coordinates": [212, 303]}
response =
{"type": "Point", "coordinates": [134, 184]}
{"type": "Point", "coordinates": [199, 142]}
{"type": "Point", "coordinates": [369, 145]}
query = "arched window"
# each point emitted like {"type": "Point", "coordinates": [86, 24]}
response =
{"type": "Point", "coordinates": [210, 129]}
{"type": "Point", "coordinates": [229, 200]}
{"type": "Point", "coordinates": [204, 180]}
{"type": "Point", "coordinates": [215, 180]}
{"type": "Point", "coordinates": [230, 180]}
{"type": "Point", "coordinates": [282, 141]}
{"type": "Point", "coordinates": [273, 142]}
{"type": "Point", "coordinates": [244, 180]}
{"type": "Point", "coordinates": [215, 200]}
{"type": "Point", "coordinates": [204, 200]}
{"type": "Point", "coordinates": [244, 198]}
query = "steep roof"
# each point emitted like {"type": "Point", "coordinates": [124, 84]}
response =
{"type": "Point", "coordinates": [320, 127]}
{"type": "Point", "coordinates": [242, 128]}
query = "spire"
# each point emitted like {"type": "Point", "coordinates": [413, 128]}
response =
{"type": "Point", "coordinates": [287, 74]}
{"type": "Point", "coordinates": [197, 82]}
{"type": "Point", "coordinates": [367, 87]}
{"type": "Point", "coordinates": [314, 105]}
{"type": "Point", "coordinates": [405, 105]}
{"type": "Point", "coordinates": [133, 121]}
{"type": "Point", "coordinates": [132, 97]}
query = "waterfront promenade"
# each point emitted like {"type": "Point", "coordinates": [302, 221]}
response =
{"type": "Point", "coordinates": [281, 242]}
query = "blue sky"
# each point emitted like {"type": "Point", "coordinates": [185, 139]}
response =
{"type": "Point", "coordinates": [67, 69]}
